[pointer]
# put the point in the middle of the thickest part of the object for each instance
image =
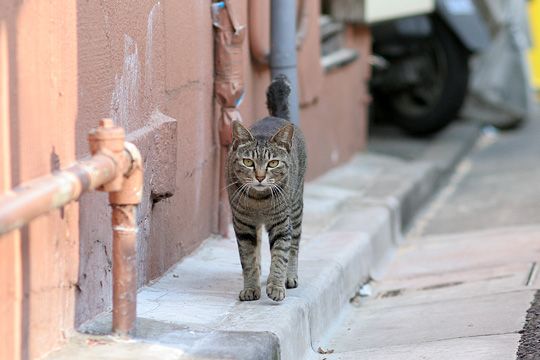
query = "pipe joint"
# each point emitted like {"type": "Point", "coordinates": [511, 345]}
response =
{"type": "Point", "coordinates": [132, 178]}
{"type": "Point", "coordinates": [108, 139]}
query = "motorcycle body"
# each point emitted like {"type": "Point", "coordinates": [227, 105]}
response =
{"type": "Point", "coordinates": [421, 62]}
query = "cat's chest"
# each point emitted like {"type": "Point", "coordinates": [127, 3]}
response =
{"type": "Point", "coordinates": [262, 209]}
{"type": "Point", "coordinates": [268, 206]}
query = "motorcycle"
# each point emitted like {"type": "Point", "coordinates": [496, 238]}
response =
{"type": "Point", "coordinates": [421, 60]}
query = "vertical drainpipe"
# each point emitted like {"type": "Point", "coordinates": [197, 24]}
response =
{"type": "Point", "coordinates": [283, 48]}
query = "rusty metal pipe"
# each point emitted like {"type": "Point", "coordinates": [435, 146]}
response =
{"type": "Point", "coordinates": [125, 193]}
{"type": "Point", "coordinates": [124, 224]}
{"type": "Point", "coordinates": [115, 167]}
{"type": "Point", "coordinates": [42, 195]}
{"type": "Point", "coordinates": [124, 268]}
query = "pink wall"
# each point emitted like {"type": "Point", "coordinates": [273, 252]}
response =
{"type": "Point", "coordinates": [149, 65]}
{"type": "Point", "coordinates": [38, 107]}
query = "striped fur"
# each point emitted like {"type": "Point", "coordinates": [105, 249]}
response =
{"type": "Point", "coordinates": [262, 195]}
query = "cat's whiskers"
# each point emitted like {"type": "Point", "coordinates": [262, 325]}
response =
{"type": "Point", "coordinates": [239, 192]}
{"type": "Point", "coordinates": [272, 195]}
{"type": "Point", "coordinates": [275, 193]}
{"type": "Point", "coordinates": [228, 186]}
{"type": "Point", "coordinates": [245, 193]}
{"type": "Point", "coordinates": [279, 189]}
{"type": "Point", "coordinates": [235, 194]}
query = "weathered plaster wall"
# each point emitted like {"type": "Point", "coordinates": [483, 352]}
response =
{"type": "Point", "coordinates": [149, 65]}
{"type": "Point", "coordinates": [38, 64]}
{"type": "Point", "coordinates": [121, 74]}
{"type": "Point", "coordinates": [336, 125]}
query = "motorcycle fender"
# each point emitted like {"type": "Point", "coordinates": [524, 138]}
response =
{"type": "Point", "coordinates": [463, 18]}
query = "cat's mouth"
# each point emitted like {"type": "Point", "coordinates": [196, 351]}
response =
{"type": "Point", "coordinates": [259, 187]}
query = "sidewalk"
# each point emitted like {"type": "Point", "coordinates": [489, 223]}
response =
{"type": "Point", "coordinates": [446, 297]}
{"type": "Point", "coordinates": [353, 222]}
{"type": "Point", "coordinates": [462, 284]}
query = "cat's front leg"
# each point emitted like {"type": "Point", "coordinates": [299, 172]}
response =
{"type": "Point", "coordinates": [280, 242]}
{"type": "Point", "coordinates": [296, 221]}
{"type": "Point", "coordinates": [249, 250]}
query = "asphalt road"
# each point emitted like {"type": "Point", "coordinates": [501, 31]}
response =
{"type": "Point", "coordinates": [529, 344]}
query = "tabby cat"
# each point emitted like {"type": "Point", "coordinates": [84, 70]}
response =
{"type": "Point", "coordinates": [265, 179]}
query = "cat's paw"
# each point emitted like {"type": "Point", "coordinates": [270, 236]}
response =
{"type": "Point", "coordinates": [275, 292]}
{"type": "Point", "coordinates": [292, 282]}
{"type": "Point", "coordinates": [250, 294]}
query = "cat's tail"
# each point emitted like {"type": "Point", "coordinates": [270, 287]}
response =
{"type": "Point", "coordinates": [277, 97]}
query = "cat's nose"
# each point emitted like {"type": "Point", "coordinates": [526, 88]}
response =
{"type": "Point", "coordinates": [260, 178]}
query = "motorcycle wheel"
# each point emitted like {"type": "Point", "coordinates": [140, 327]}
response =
{"type": "Point", "coordinates": [432, 104]}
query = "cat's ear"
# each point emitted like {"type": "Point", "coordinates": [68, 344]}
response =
{"type": "Point", "coordinates": [240, 134]}
{"type": "Point", "coordinates": [283, 138]}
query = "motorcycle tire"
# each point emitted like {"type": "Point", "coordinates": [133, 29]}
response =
{"type": "Point", "coordinates": [440, 106]}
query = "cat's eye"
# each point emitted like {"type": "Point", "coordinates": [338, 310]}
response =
{"type": "Point", "coordinates": [248, 162]}
{"type": "Point", "coordinates": [273, 163]}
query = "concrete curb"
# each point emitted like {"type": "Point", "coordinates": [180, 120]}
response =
{"type": "Point", "coordinates": [354, 217]}
{"type": "Point", "coordinates": [440, 154]}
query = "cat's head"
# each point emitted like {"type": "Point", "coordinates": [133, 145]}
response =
{"type": "Point", "coordinates": [261, 164]}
